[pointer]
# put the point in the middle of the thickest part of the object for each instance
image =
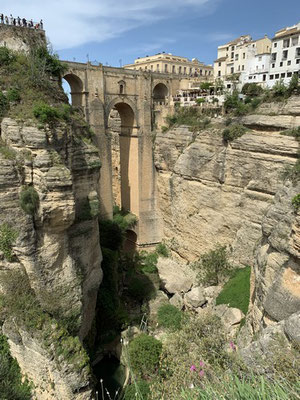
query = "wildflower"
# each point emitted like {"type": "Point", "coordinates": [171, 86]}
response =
{"type": "Point", "coordinates": [191, 386]}
{"type": "Point", "coordinates": [232, 345]}
{"type": "Point", "coordinates": [193, 368]}
{"type": "Point", "coordinates": [201, 363]}
{"type": "Point", "coordinates": [201, 373]}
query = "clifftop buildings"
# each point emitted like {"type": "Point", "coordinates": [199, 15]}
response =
{"type": "Point", "coordinates": [170, 64]}
{"type": "Point", "coordinates": [262, 61]}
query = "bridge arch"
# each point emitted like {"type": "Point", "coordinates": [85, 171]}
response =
{"type": "Point", "coordinates": [76, 86]}
{"type": "Point", "coordinates": [160, 93]}
{"type": "Point", "coordinates": [125, 164]}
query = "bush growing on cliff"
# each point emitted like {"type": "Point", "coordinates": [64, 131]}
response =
{"type": "Point", "coordinates": [29, 200]}
{"type": "Point", "coordinates": [252, 89]}
{"type": "Point", "coordinates": [213, 266]}
{"type": "Point", "coordinates": [296, 202]}
{"type": "Point", "coordinates": [233, 132]}
{"type": "Point", "coordinates": [6, 56]}
{"type": "Point", "coordinates": [12, 386]}
{"type": "Point", "coordinates": [3, 104]}
{"type": "Point", "coordinates": [139, 390]}
{"type": "Point", "coordinates": [8, 237]}
{"type": "Point", "coordinates": [47, 114]}
{"type": "Point", "coordinates": [144, 352]}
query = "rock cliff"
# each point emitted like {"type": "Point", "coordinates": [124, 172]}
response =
{"type": "Point", "coordinates": [57, 249]}
{"type": "Point", "coordinates": [236, 194]}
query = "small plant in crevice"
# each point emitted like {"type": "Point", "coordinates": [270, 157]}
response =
{"type": "Point", "coordinates": [29, 200]}
{"type": "Point", "coordinates": [8, 237]}
{"type": "Point", "coordinates": [296, 202]}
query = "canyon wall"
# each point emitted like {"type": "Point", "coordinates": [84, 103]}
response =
{"type": "Point", "coordinates": [57, 250]}
{"type": "Point", "coordinates": [236, 194]}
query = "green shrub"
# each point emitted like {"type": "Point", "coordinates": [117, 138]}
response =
{"type": "Point", "coordinates": [169, 317]}
{"type": "Point", "coordinates": [252, 89]}
{"type": "Point", "coordinates": [144, 352]}
{"type": "Point", "coordinates": [213, 266]}
{"type": "Point", "coordinates": [139, 390]}
{"type": "Point", "coordinates": [233, 132]}
{"type": "Point", "coordinates": [293, 87]}
{"type": "Point", "coordinates": [125, 219]}
{"type": "Point", "coordinates": [296, 202]}
{"type": "Point", "coordinates": [6, 56]}
{"type": "Point", "coordinates": [162, 250]}
{"type": "Point", "coordinates": [29, 200]}
{"type": "Point", "coordinates": [231, 102]}
{"type": "Point", "coordinates": [236, 292]}
{"type": "Point", "coordinates": [279, 90]}
{"type": "Point", "coordinates": [13, 95]}
{"type": "Point", "coordinates": [4, 105]}
{"type": "Point", "coordinates": [200, 100]}
{"type": "Point", "coordinates": [292, 132]}
{"type": "Point", "coordinates": [12, 386]}
{"type": "Point", "coordinates": [7, 152]}
{"type": "Point", "coordinates": [8, 237]}
{"type": "Point", "coordinates": [148, 262]}
{"type": "Point", "coordinates": [45, 113]}
{"type": "Point", "coordinates": [164, 129]}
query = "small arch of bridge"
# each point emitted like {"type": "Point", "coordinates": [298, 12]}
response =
{"type": "Point", "coordinates": [128, 114]}
{"type": "Point", "coordinates": [76, 85]}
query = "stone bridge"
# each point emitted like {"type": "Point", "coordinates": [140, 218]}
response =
{"type": "Point", "coordinates": [142, 99]}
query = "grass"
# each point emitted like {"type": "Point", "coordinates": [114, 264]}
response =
{"type": "Point", "coordinates": [236, 388]}
{"type": "Point", "coordinates": [236, 292]}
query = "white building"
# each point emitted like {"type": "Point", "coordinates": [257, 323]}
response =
{"type": "Point", "coordinates": [285, 55]}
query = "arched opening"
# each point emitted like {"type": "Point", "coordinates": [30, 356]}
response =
{"type": "Point", "coordinates": [76, 88]}
{"type": "Point", "coordinates": [124, 150]}
{"type": "Point", "coordinates": [129, 245]}
{"type": "Point", "coordinates": [160, 93]}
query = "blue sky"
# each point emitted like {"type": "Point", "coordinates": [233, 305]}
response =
{"type": "Point", "coordinates": [115, 32]}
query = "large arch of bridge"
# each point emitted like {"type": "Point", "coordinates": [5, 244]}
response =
{"type": "Point", "coordinates": [128, 154]}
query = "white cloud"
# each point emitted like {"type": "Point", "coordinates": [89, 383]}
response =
{"type": "Point", "coordinates": [219, 37]}
{"type": "Point", "coordinates": [70, 23]}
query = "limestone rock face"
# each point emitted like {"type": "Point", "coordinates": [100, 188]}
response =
{"type": "Point", "coordinates": [57, 248]}
{"type": "Point", "coordinates": [236, 195]}
{"type": "Point", "coordinates": [175, 277]}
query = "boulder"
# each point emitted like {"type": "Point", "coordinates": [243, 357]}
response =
{"type": "Point", "coordinates": [177, 301]}
{"type": "Point", "coordinates": [292, 327]}
{"type": "Point", "coordinates": [195, 298]}
{"type": "Point", "coordinates": [175, 277]}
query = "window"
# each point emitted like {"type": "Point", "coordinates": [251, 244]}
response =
{"type": "Point", "coordinates": [289, 74]}
{"type": "Point", "coordinates": [275, 45]}
{"type": "Point", "coordinates": [289, 62]}
{"type": "Point", "coordinates": [298, 61]}
{"type": "Point", "coordinates": [271, 76]}
{"type": "Point", "coordinates": [121, 89]}
{"type": "Point", "coordinates": [232, 47]}
{"type": "Point", "coordinates": [191, 70]}
{"type": "Point", "coordinates": [228, 86]}
{"type": "Point", "coordinates": [200, 71]}
{"type": "Point", "coordinates": [264, 77]}
{"type": "Point", "coordinates": [166, 67]}
{"type": "Point", "coordinates": [244, 55]}
{"type": "Point", "coordinates": [298, 52]}
{"type": "Point", "coordinates": [254, 77]}
{"type": "Point", "coordinates": [236, 57]}
{"type": "Point", "coordinates": [179, 70]}
{"type": "Point", "coordinates": [173, 69]}
{"type": "Point", "coordinates": [219, 73]}
{"type": "Point", "coordinates": [151, 67]}
{"type": "Point", "coordinates": [276, 76]}
{"type": "Point", "coordinates": [184, 70]}
{"type": "Point", "coordinates": [250, 77]}
{"type": "Point", "coordinates": [232, 70]}
{"type": "Point", "coordinates": [239, 68]}
{"type": "Point", "coordinates": [286, 43]}
{"type": "Point", "coordinates": [284, 55]}
{"type": "Point", "coordinates": [295, 40]}
{"type": "Point", "coordinates": [243, 67]}
{"type": "Point", "coordinates": [259, 58]}
{"type": "Point", "coordinates": [282, 75]}
{"type": "Point", "coordinates": [281, 64]}
{"type": "Point", "coordinates": [273, 56]}
{"type": "Point", "coordinates": [232, 55]}
{"type": "Point", "coordinates": [273, 65]}
{"type": "Point", "coordinates": [220, 64]}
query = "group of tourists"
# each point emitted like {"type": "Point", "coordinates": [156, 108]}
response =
{"type": "Point", "coordinates": [4, 19]}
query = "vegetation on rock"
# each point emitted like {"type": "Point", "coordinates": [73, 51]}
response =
{"type": "Point", "coordinates": [29, 200]}
{"type": "Point", "coordinates": [236, 292]}
{"type": "Point", "coordinates": [233, 132]}
{"type": "Point", "coordinates": [8, 237]}
{"type": "Point", "coordinates": [169, 317]}
{"type": "Point", "coordinates": [12, 385]}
